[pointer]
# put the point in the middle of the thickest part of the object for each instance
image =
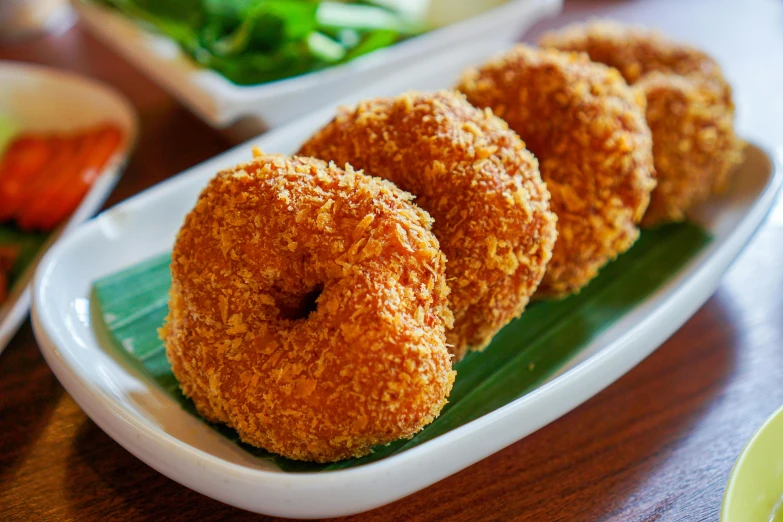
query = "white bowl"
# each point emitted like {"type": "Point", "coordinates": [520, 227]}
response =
{"type": "Point", "coordinates": [43, 99]}
{"type": "Point", "coordinates": [145, 420]}
{"type": "Point", "coordinates": [222, 103]}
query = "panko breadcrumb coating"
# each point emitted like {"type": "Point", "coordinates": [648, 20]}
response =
{"type": "Point", "coordinates": [689, 109]}
{"type": "Point", "coordinates": [364, 364]}
{"type": "Point", "coordinates": [634, 51]}
{"type": "Point", "coordinates": [587, 128]}
{"type": "Point", "coordinates": [694, 145]}
{"type": "Point", "coordinates": [479, 183]}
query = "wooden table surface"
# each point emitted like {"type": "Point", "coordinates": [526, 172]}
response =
{"type": "Point", "coordinates": [656, 445]}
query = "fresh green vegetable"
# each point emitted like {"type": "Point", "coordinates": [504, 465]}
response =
{"type": "Point", "coordinates": [8, 130]}
{"type": "Point", "coordinates": [128, 307]}
{"type": "Point", "coordinates": [256, 41]}
{"type": "Point", "coordinates": [29, 244]}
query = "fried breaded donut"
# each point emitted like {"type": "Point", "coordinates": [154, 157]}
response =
{"type": "Point", "coordinates": [587, 128]}
{"type": "Point", "coordinates": [634, 51]}
{"type": "Point", "coordinates": [364, 364]}
{"type": "Point", "coordinates": [689, 109]}
{"type": "Point", "coordinates": [694, 145]}
{"type": "Point", "coordinates": [479, 183]}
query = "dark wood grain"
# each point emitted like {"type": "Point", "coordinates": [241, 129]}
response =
{"type": "Point", "coordinates": [656, 445]}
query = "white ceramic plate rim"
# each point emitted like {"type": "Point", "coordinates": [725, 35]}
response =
{"type": "Point", "coordinates": [553, 398]}
{"type": "Point", "coordinates": [635, 336]}
{"type": "Point", "coordinates": [154, 446]}
{"type": "Point", "coordinates": [14, 311]}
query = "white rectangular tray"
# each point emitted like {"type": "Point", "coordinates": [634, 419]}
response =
{"type": "Point", "coordinates": [221, 103]}
{"type": "Point", "coordinates": [151, 425]}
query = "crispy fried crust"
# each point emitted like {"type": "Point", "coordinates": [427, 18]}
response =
{"type": "Point", "coordinates": [367, 366]}
{"type": "Point", "coordinates": [634, 51]}
{"type": "Point", "coordinates": [689, 109]}
{"type": "Point", "coordinates": [479, 183]}
{"type": "Point", "coordinates": [694, 144]}
{"type": "Point", "coordinates": [587, 128]}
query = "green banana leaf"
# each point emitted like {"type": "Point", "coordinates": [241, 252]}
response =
{"type": "Point", "coordinates": [530, 350]}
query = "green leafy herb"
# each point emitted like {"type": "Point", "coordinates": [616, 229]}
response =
{"type": "Point", "coordinates": [8, 130]}
{"type": "Point", "coordinates": [29, 244]}
{"type": "Point", "coordinates": [255, 41]}
{"type": "Point", "coordinates": [132, 305]}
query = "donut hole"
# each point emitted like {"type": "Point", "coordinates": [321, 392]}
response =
{"type": "Point", "coordinates": [301, 307]}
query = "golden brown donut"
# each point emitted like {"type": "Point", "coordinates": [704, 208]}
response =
{"type": "Point", "coordinates": [479, 183]}
{"type": "Point", "coordinates": [587, 129]}
{"type": "Point", "coordinates": [634, 51]}
{"type": "Point", "coordinates": [689, 109]}
{"type": "Point", "coordinates": [324, 378]}
{"type": "Point", "coordinates": [694, 145]}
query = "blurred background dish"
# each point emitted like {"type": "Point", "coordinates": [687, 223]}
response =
{"type": "Point", "coordinates": [245, 110]}
{"type": "Point", "coordinates": [40, 105]}
{"type": "Point", "coordinates": [755, 489]}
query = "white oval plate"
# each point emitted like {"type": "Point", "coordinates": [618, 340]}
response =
{"type": "Point", "coordinates": [220, 102]}
{"type": "Point", "coordinates": [43, 99]}
{"type": "Point", "coordinates": [151, 425]}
